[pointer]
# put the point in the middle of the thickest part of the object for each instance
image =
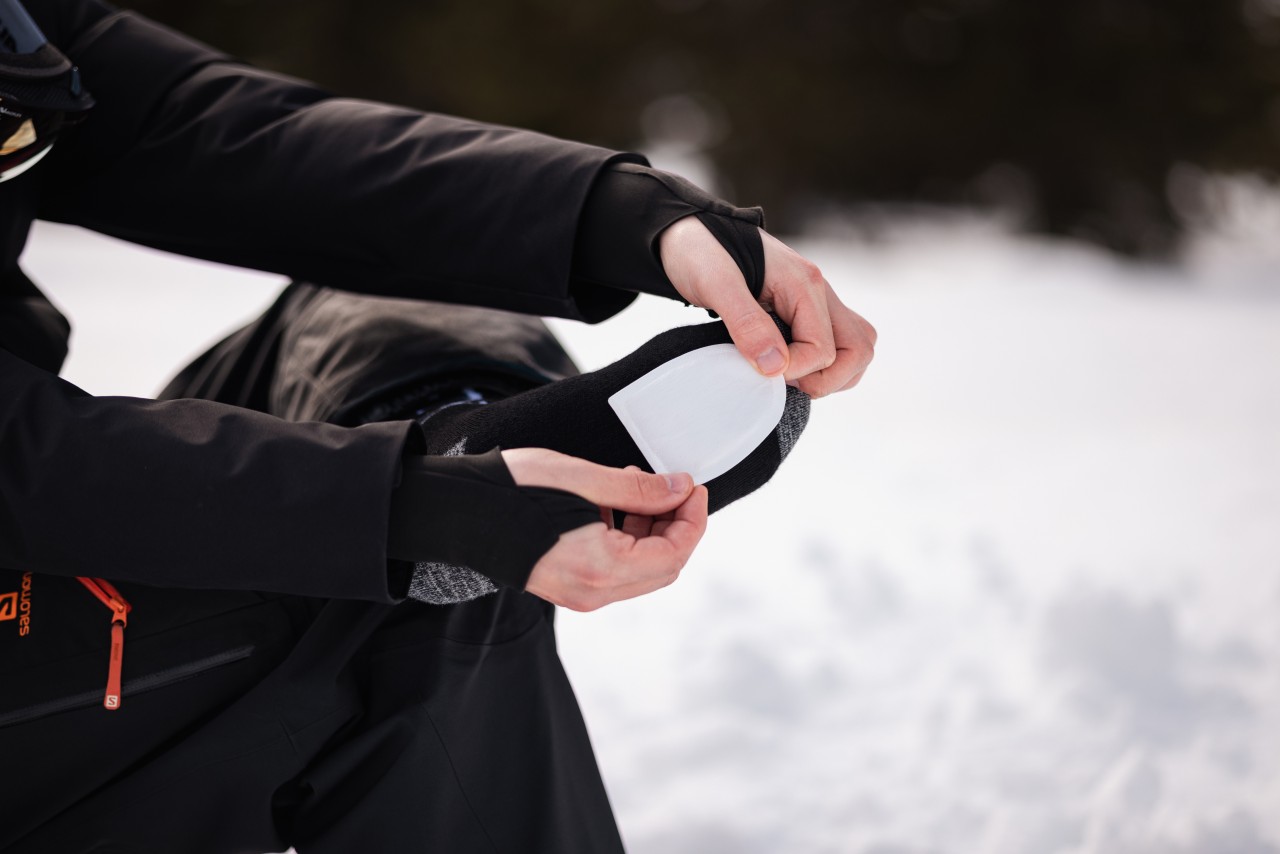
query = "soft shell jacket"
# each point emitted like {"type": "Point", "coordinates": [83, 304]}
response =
{"type": "Point", "coordinates": [190, 151]}
{"type": "Point", "coordinates": [269, 684]}
{"type": "Point", "coordinates": [253, 722]}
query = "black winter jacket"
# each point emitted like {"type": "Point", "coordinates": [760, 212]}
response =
{"type": "Point", "coordinates": [191, 151]}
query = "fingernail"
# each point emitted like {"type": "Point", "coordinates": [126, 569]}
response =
{"type": "Point", "coordinates": [679, 482]}
{"type": "Point", "coordinates": [770, 361]}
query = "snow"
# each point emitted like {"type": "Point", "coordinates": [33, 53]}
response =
{"type": "Point", "coordinates": [1014, 593]}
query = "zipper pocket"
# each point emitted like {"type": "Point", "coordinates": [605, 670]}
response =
{"type": "Point", "coordinates": [159, 679]}
{"type": "Point", "coordinates": [109, 596]}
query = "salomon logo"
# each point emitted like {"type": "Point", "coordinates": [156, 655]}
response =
{"type": "Point", "coordinates": [18, 606]}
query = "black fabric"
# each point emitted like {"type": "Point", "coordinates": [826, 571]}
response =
{"type": "Point", "coordinates": [31, 328]}
{"type": "Point", "coordinates": [240, 369]}
{"type": "Point", "coordinates": [43, 80]}
{"type": "Point", "coordinates": [20, 34]}
{"type": "Point", "coordinates": [346, 726]}
{"type": "Point", "coordinates": [192, 151]}
{"type": "Point", "coordinates": [340, 352]}
{"type": "Point", "coordinates": [351, 723]}
{"type": "Point", "coordinates": [573, 416]}
{"type": "Point", "coordinates": [349, 726]}
{"type": "Point", "coordinates": [321, 354]}
{"type": "Point", "coordinates": [191, 493]}
{"type": "Point", "coordinates": [468, 511]}
{"type": "Point", "coordinates": [627, 210]}
{"type": "Point", "coordinates": [471, 741]}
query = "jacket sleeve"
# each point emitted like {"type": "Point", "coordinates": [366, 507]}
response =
{"type": "Point", "coordinates": [191, 493]}
{"type": "Point", "coordinates": [191, 151]}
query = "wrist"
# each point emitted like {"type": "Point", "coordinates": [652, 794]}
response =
{"type": "Point", "coordinates": [628, 213]}
{"type": "Point", "coordinates": [467, 511]}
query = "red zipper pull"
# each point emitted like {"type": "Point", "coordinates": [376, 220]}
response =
{"type": "Point", "coordinates": [112, 700]}
{"type": "Point", "coordinates": [109, 596]}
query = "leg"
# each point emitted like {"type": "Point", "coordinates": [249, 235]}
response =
{"type": "Point", "coordinates": [470, 738]}
{"type": "Point", "coordinates": [472, 741]}
{"type": "Point", "coordinates": [350, 726]}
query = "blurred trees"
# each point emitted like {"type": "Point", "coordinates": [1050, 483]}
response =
{"type": "Point", "coordinates": [1085, 117]}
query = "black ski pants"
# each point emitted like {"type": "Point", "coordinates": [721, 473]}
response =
{"type": "Point", "coordinates": [254, 722]}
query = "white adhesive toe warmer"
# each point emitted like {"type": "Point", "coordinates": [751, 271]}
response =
{"type": "Point", "coordinates": [702, 412]}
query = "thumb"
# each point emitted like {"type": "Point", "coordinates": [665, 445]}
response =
{"type": "Point", "coordinates": [756, 335]}
{"type": "Point", "coordinates": [631, 489]}
{"type": "Point", "coordinates": [705, 274]}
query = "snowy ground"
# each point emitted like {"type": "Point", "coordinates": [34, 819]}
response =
{"type": "Point", "coordinates": [1016, 593]}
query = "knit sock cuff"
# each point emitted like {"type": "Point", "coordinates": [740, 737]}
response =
{"type": "Point", "coordinates": [447, 584]}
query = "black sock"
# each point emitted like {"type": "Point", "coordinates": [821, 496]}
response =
{"type": "Point", "coordinates": [573, 416]}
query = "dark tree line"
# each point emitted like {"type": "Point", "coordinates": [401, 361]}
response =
{"type": "Point", "coordinates": [1073, 112]}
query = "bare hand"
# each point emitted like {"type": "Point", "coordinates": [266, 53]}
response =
{"type": "Point", "coordinates": [591, 566]}
{"type": "Point", "coordinates": [831, 345]}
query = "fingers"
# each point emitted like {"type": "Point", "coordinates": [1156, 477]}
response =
{"type": "Point", "coordinates": [673, 540]}
{"type": "Point", "coordinates": [853, 382]}
{"type": "Point", "coordinates": [831, 345]}
{"type": "Point", "coordinates": [796, 290]}
{"type": "Point", "coordinates": [813, 346]}
{"type": "Point", "coordinates": [803, 298]}
{"type": "Point", "coordinates": [631, 489]}
{"type": "Point", "coordinates": [593, 566]}
{"type": "Point", "coordinates": [653, 562]}
{"type": "Point", "coordinates": [753, 332]}
{"type": "Point", "coordinates": [705, 274]}
{"type": "Point", "coordinates": [854, 341]}
{"type": "Point", "coordinates": [636, 525]}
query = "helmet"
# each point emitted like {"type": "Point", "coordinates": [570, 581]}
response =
{"type": "Point", "coordinates": [40, 92]}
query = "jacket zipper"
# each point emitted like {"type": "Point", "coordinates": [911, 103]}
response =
{"type": "Point", "coordinates": [109, 596]}
{"type": "Point", "coordinates": [137, 685]}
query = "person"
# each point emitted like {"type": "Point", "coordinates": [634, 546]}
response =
{"type": "Point", "coordinates": [388, 434]}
